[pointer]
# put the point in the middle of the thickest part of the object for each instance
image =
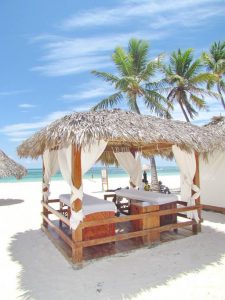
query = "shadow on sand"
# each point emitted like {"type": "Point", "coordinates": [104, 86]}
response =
{"type": "Point", "coordinates": [47, 275]}
{"type": "Point", "coordinates": [6, 202]}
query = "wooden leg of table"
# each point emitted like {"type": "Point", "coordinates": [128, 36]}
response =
{"type": "Point", "coordinates": [60, 207]}
{"type": "Point", "coordinates": [151, 222]}
{"type": "Point", "coordinates": [45, 213]}
{"type": "Point", "coordinates": [77, 251]}
{"type": "Point", "coordinates": [196, 228]}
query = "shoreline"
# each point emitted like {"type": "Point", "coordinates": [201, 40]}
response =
{"type": "Point", "coordinates": [22, 189]}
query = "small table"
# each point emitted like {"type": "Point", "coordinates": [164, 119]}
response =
{"type": "Point", "coordinates": [146, 201]}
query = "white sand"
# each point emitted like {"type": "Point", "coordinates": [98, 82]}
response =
{"type": "Point", "coordinates": [32, 268]}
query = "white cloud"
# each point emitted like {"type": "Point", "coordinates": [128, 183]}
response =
{"type": "Point", "coordinates": [21, 131]}
{"type": "Point", "coordinates": [133, 9]}
{"type": "Point", "coordinates": [64, 55]}
{"type": "Point", "coordinates": [14, 92]}
{"type": "Point", "coordinates": [89, 93]}
{"type": "Point", "coordinates": [72, 66]}
{"type": "Point", "coordinates": [75, 55]}
{"type": "Point", "coordinates": [26, 105]}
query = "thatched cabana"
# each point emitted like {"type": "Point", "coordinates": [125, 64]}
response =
{"type": "Point", "coordinates": [121, 129]}
{"type": "Point", "coordinates": [212, 168]}
{"type": "Point", "coordinates": [9, 167]}
{"type": "Point", "coordinates": [75, 142]}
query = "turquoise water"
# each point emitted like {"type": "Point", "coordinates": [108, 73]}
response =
{"type": "Point", "coordinates": [95, 172]}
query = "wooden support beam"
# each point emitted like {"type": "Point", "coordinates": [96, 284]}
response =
{"type": "Point", "coordinates": [61, 234]}
{"type": "Point", "coordinates": [56, 213]}
{"type": "Point", "coordinates": [135, 234]}
{"type": "Point", "coordinates": [115, 220]}
{"type": "Point", "coordinates": [197, 227]}
{"type": "Point", "coordinates": [45, 211]}
{"type": "Point", "coordinates": [77, 235]}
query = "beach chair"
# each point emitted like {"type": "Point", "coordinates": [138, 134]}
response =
{"type": "Point", "coordinates": [122, 204]}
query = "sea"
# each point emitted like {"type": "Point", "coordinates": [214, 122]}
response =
{"type": "Point", "coordinates": [93, 173]}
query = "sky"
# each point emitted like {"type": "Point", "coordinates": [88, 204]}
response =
{"type": "Point", "coordinates": [48, 49]}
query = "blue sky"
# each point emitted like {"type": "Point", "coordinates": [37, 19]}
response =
{"type": "Point", "coordinates": [48, 49]}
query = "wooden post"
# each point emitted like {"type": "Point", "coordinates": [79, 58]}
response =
{"type": "Point", "coordinates": [197, 227]}
{"type": "Point", "coordinates": [152, 221]}
{"type": "Point", "coordinates": [77, 236]}
{"type": "Point", "coordinates": [45, 211]}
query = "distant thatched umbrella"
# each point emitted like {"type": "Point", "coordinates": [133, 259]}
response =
{"type": "Point", "coordinates": [9, 167]}
{"type": "Point", "coordinates": [121, 129]}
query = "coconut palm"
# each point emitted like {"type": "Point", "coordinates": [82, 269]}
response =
{"type": "Point", "coordinates": [215, 63]}
{"type": "Point", "coordinates": [186, 81]}
{"type": "Point", "coordinates": [132, 83]}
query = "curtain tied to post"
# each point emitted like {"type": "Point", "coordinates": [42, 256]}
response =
{"type": "Point", "coordinates": [187, 165]}
{"type": "Point", "coordinates": [89, 155]}
{"type": "Point", "coordinates": [45, 191]}
{"type": "Point", "coordinates": [76, 217]}
{"type": "Point", "coordinates": [51, 166]}
{"type": "Point", "coordinates": [132, 165]}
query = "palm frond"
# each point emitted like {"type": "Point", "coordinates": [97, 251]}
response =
{"type": "Point", "coordinates": [198, 102]}
{"type": "Point", "coordinates": [110, 101]}
{"type": "Point", "coordinates": [157, 103]}
{"type": "Point", "coordinates": [203, 78]}
{"type": "Point", "coordinates": [138, 55]}
{"type": "Point", "coordinates": [193, 69]}
{"type": "Point", "coordinates": [108, 77]}
{"type": "Point", "coordinates": [151, 68]}
{"type": "Point", "coordinates": [122, 62]}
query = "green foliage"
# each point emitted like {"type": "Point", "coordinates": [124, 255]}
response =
{"type": "Point", "coordinates": [186, 82]}
{"type": "Point", "coordinates": [133, 82]}
{"type": "Point", "coordinates": [215, 63]}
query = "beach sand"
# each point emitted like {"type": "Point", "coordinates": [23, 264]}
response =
{"type": "Point", "coordinates": [32, 268]}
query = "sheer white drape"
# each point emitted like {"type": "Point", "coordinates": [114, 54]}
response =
{"type": "Point", "coordinates": [51, 166]}
{"type": "Point", "coordinates": [132, 165]}
{"type": "Point", "coordinates": [89, 155]}
{"type": "Point", "coordinates": [212, 178]}
{"type": "Point", "coordinates": [187, 165]}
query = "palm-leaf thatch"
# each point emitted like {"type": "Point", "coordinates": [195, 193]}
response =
{"type": "Point", "coordinates": [122, 129]}
{"type": "Point", "coordinates": [217, 127]}
{"type": "Point", "coordinates": [9, 167]}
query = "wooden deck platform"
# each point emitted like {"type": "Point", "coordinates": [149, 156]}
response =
{"type": "Point", "coordinates": [103, 250]}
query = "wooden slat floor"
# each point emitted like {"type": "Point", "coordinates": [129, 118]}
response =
{"type": "Point", "coordinates": [113, 248]}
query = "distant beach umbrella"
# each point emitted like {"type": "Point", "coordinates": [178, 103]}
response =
{"type": "Point", "coordinates": [9, 167]}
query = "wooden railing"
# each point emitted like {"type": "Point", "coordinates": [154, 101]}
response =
{"type": "Point", "coordinates": [78, 244]}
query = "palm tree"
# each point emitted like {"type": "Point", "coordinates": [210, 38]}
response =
{"type": "Point", "coordinates": [185, 81]}
{"type": "Point", "coordinates": [132, 83]}
{"type": "Point", "coordinates": [215, 63]}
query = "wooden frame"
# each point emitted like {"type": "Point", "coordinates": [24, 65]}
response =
{"type": "Point", "coordinates": [149, 232]}
{"type": "Point", "coordinates": [77, 243]}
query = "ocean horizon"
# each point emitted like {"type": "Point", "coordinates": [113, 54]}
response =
{"type": "Point", "coordinates": [35, 174]}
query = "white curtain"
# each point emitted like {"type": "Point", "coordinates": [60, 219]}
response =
{"type": "Point", "coordinates": [51, 166]}
{"type": "Point", "coordinates": [132, 165]}
{"type": "Point", "coordinates": [89, 155]}
{"type": "Point", "coordinates": [212, 179]}
{"type": "Point", "coordinates": [187, 165]}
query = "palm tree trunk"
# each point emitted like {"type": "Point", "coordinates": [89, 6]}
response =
{"type": "Point", "coordinates": [184, 112]}
{"type": "Point", "coordinates": [154, 176]}
{"type": "Point", "coordinates": [220, 93]}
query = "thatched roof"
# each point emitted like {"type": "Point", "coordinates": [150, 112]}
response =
{"type": "Point", "coordinates": [9, 167]}
{"type": "Point", "coordinates": [217, 127]}
{"type": "Point", "coordinates": [121, 129]}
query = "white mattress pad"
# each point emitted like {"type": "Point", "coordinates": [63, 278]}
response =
{"type": "Point", "coordinates": [91, 204]}
{"type": "Point", "coordinates": [152, 198]}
